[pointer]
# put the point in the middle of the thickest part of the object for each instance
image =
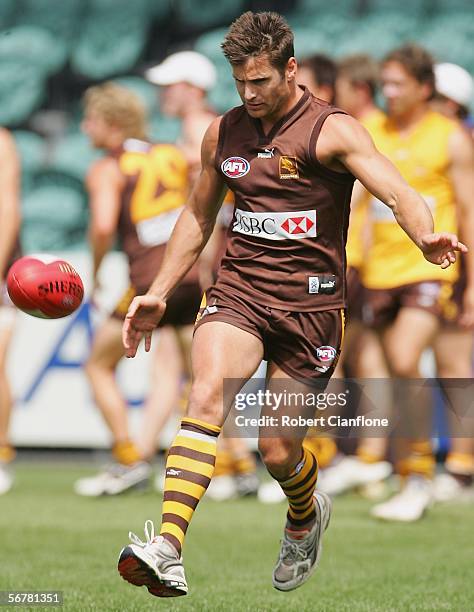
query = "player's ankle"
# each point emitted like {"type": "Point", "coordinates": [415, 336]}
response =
{"type": "Point", "coordinates": [292, 528]}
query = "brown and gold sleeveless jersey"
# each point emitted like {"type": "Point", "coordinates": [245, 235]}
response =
{"type": "Point", "coordinates": [155, 192]}
{"type": "Point", "coordinates": [286, 241]}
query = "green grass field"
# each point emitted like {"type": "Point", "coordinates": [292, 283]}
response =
{"type": "Point", "coordinates": [53, 540]}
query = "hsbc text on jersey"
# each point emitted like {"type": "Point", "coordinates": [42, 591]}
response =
{"type": "Point", "coordinates": [275, 226]}
{"type": "Point", "coordinates": [235, 167]}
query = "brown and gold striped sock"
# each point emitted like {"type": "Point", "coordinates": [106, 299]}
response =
{"type": "Point", "coordinates": [299, 489]}
{"type": "Point", "coordinates": [189, 469]}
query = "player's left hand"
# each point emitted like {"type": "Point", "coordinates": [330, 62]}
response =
{"type": "Point", "coordinates": [466, 318]}
{"type": "Point", "coordinates": [440, 249]}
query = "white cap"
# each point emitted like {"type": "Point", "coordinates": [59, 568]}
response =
{"type": "Point", "coordinates": [185, 66]}
{"type": "Point", "coordinates": [454, 82]}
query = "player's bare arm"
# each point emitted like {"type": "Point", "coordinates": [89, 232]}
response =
{"type": "Point", "coordinates": [9, 198]}
{"type": "Point", "coordinates": [461, 154]}
{"type": "Point", "coordinates": [104, 185]}
{"type": "Point", "coordinates": [344, 144]}
{"type": "Point", "coordinates": [191, 233]}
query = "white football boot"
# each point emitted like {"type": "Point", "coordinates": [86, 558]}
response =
{"type": "Point", "coordinates": [352, 472]}
{"type": "Point", "coordinates": [446, 488]}
{"type": "Point", "coordinates": [299, 558]}
{"type": "Point", "coordinates": [6, 478]}
{"type": "Point", "coordinates": [114, 480]}
{"type": "Point", "coordinates": [270, 493]}
{"type": "Point", "coordinates": [155, 564]}
{"type": "Point", "coordinates": [410, 504]}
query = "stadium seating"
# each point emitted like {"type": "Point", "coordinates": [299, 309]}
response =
{"type": "Point", "coordinates": [376, 34]}
{"type": "Point", "coordinates": [456, 47]}
{"type": "Point", "coordinates": [209, 44]}
{"type": "Point", "coordinates": [207, 13]}
{"type": "Point", "coordinates": [112, 38]}
{"type": "Point", "coordinates": [32, 152]}
{"type": "Point", "coordinates": [414, 8]}
{"type": "Point", "coordinates": [73, 156]}
{"type": "Point", "coordinates": [54, 214]}
{"type": "Point", "coordinates": [21, 91]}
{"type": "Point", "coordinates": [63, 19]}
{"type": "Point", "coordinates": [147, 92]}
{"type": "Point", "coordinates": [7, 11]}
{"type": "Point", "coordinates": [33, 45]}
{"type": "Point", "coordinates": [164, 129]}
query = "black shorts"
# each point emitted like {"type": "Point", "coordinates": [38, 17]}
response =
{"type": "Point", "coordinates": [181, 307]}
{"type": "Point", "coordinates": [305, 345]}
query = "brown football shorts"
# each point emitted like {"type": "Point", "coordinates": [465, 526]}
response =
{"type": "Point", "coordinates": [181, 307]}
{"type": "Point", "coordinates": [451, 299]}
{"type": "Point", "coordinates": [382, 305]}
{"type": "Point", "coordinates": [355, 294]}
{"type": "Point", "coordinates": [305, 345]}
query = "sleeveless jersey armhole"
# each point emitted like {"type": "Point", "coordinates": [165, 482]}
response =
{"type": "Point", "coordinates": [343, 177]}
{"type": "Point", "coordinates": [220, 142]}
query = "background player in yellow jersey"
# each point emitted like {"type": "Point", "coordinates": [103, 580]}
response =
{"type": "Point", "coordinates": [362, 356]}
{"type": "Point", "coordinates": [454, 91]}
{"type": "Point", "coordinates": [9, 231]}
{"type": "Point", "coordinates": [136, 192]}
{"type": "Point", "coordinates": [405, 294]}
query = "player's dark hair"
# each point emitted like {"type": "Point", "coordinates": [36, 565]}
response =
{"type": "Point", "coordinates": [417, 61]}
{"type": "Point", "coordinates": [255, 34]}
{"type": "Point", "coordinates": [324, 69]}
{"type": "Point", "coordinates": [360, 69]}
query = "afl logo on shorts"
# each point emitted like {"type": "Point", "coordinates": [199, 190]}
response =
{"type": "Point", "coordinates": [235, 167]}
{"type": "Point", "coordinates": [326, 353]}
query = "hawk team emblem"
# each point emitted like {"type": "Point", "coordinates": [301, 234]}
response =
{"type": "Point", "coordinates": [288, 167]}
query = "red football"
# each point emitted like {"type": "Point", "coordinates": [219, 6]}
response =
{"type": "Point", "coordinates": [44, 286]}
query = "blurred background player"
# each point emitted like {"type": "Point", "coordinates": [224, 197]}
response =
{"type": "Point", "coordinates": [353, 84]}
{"type": "Point", "coordinates": [454, 91]}
{"type": "Point", "coordinates": [355, 88]}
{"type": "Point", "coordinates": [136, 191]}
{"type": "Point", "coordinates": [9, 250]}
{"type": "Point", "coordinates": [405, 294]}
{"type": "Point", "coordinates": [318, 73]}
{"type": "Point", "coordinates": [185, 78]}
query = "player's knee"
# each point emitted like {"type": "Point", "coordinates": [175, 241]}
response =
{"type": "Point", "coordinates": [403, 364]}
{"type": "Point", "coordinates": [93, 366]}
{"type": "Point", "coordinates": [277, 455]}
{"type": "Point", "coordinates": [205, 402]}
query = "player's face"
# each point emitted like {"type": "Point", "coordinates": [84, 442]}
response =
{"type": "Point", "coordinates": [262, 88]}
{"type": "Point", "coordinates": [96, 128]}
{"type": "Point", "coordinates": [172, 98]}
{"type": "Point", "coordinates": [346, 94]}
{"type": "Point", "coordinates": [306, 77]}
{"type": "Point", "coordinates": [402, 92]}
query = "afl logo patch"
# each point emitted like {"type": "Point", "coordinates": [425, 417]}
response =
{"type": "Point", "coordinates": [326, 353]}
{"type": "Point", "coordinates": [235, 167]}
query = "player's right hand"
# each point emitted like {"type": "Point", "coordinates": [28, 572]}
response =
{"type": "Point", "coordinates": [143, 316]}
